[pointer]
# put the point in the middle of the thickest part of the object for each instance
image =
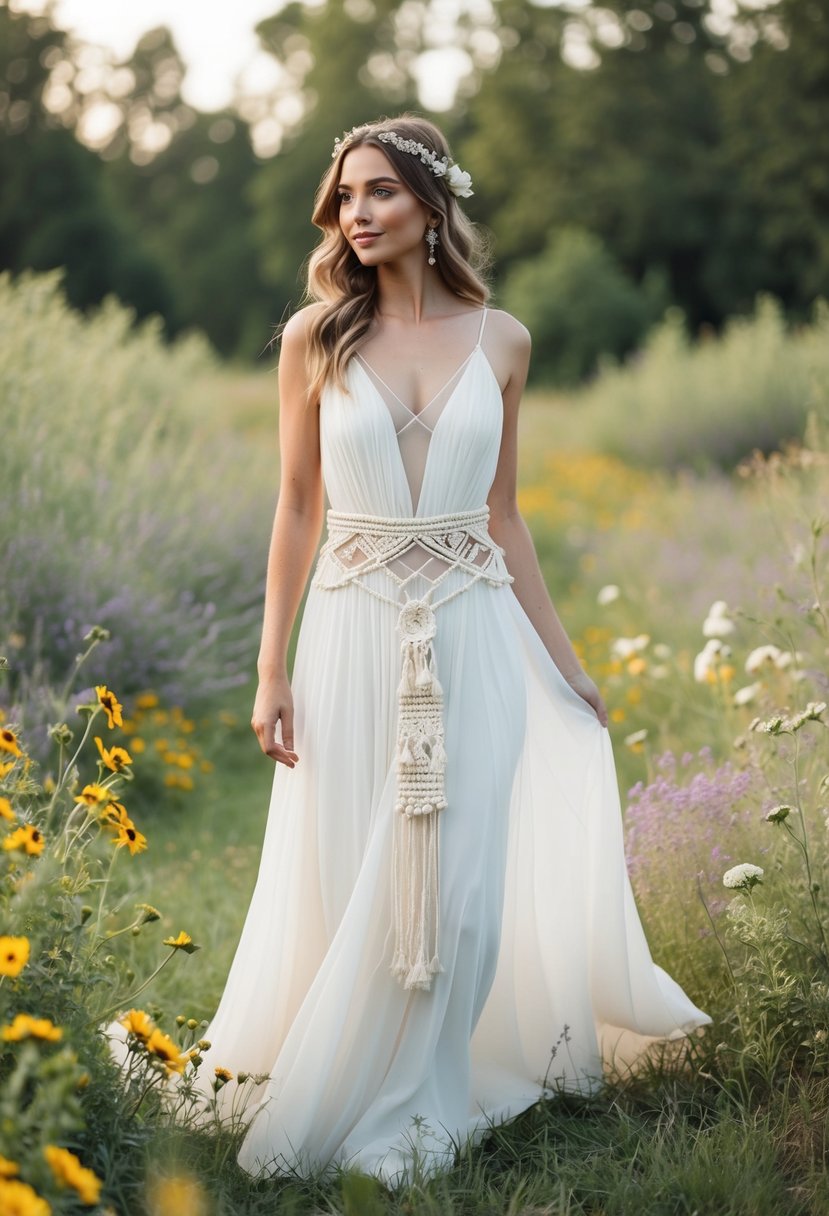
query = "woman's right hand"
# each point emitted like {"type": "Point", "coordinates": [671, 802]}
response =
{"type": "Point", "coordinates": [275, 703]}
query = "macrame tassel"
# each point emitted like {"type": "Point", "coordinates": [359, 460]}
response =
{"type": "Point", "coordinates": [421, 760]}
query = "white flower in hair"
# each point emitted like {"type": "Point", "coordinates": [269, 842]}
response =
{"type": "Point", "coordinates": [459, 182]}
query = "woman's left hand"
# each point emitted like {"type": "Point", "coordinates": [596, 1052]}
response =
{"type": "Point", "coordinates": [584, 686]}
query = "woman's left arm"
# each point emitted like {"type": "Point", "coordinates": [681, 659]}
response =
{"type": "Point", "coordinates": [508, 529]}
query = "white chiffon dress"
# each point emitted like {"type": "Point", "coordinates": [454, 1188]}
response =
{"type": "Point", "coordinates": [544, 976]}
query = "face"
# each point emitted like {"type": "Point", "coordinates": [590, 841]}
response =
{"type": "Point", "coordinates": [379, 215]}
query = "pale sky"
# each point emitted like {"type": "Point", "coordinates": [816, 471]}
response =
{"type": "Point", "coordinates": [216, 40]}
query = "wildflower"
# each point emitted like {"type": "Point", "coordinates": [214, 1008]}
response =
{"type": "Point", "coordinates": [19, 1199]}
{"type": "Point", "coordinates": [116, 759]}
{"type": "Point", "coordinates": [778, 813]}
{"type": "Point", "coordinates": [139, 1023]}
{"type": "Point", "coordinates": [183, 942]}
{"type": "Point", "coordinates": [26, 1027]}
{"type": "Point", "coordinates": [129, 837]}
{"type": "Point", "coordinates": [636, 741]}
{"type": "Point", "coordinates": [6, 811]}
{"type": "Point", "coordinates": [742, 877]}
{"type": "Point", "coordinates": [223, 1075]}
{"type": "Point", "coordinates": [94, 795]}
{"type": "Point", "coordinates": [146, 700]}
{"type": "Point", "coordinates": [637, 665]}
{"type": "Point", "coordinates": [763, 655]}
{"type": "Point", "coordinates": [8, 1168]}
{"type": "Point", "coordinates": [68, 1171]}
{"type": "Point", "coordinates": [161, 1045]}
{"type": "Point", "coordinates": [27, 838]}
{"type": "Point", "coordinates": [112, 706]}
{"type": "Point", "coordinates": [617, 714]}
{"type": "Point", "coordinates": [150, 913]}
{"type": "Point", "coordinates": [138, 745]}
{"type": "Point", "coordinates": [176, 1196]}
{"type": "Point", "coordinates": [14, 955]}
{"type": "Point", "coordinates": [626, 648]}
{"type": "Point", "coordinates": [608, 594]}
{"type": "Point", "coordinates": [6, 767]}
{"type": "Point", "coordinates": [812, 713]}
{"type": "Point", "coordinates": [746, 694]}
{"type": "Point", "coordinates": [115, 815]}
{"type": "Point", "coordinates": [718, 623]}
{"type": "Point", "coordinates": [705, 663]}
{"type": "Point", "coordinates": [8, 742]}
{"type": "Point", "coordinates": [179, 781]}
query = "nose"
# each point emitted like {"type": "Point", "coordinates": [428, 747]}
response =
{"type": "Point", "coordinates": [362, 211]}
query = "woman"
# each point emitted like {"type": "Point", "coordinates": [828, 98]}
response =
{"type": "Point", "coordinates": [442, 930]}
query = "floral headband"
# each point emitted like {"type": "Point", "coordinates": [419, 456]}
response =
{"type": "Point", "coordinates": [458, 182]}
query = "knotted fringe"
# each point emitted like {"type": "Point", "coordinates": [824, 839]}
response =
{"type": "Point", "coordinates": [421, 761]}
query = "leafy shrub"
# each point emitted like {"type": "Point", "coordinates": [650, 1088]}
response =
{"type": "Point", "coordinates": [579, 306]}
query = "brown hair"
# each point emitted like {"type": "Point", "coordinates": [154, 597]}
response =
{"type": "Point", "coordinates": [348, 290]}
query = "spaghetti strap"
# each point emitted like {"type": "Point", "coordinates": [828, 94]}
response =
{"type": "Point", "coordinates": [481, 330]}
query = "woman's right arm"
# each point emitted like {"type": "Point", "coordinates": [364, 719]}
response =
{"type": "Point", "coordinates": [296, 530]}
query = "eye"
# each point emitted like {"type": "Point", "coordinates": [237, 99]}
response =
{"type": "Point", "coordinates": [343, 196]}
{"type": "Point", "coordinates": [383, 190]}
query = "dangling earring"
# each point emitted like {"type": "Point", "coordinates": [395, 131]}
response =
{"type": "Point", "coordinates": [431, 241]}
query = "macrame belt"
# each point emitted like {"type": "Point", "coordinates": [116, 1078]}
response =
{"type": "Point", "coordinates": [357, 546]}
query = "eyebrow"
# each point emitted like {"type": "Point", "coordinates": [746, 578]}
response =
{"type": "Point", "coordinates": [372, 181]}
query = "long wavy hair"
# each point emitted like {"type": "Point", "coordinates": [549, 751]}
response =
{"type": "Point", "coordinates": [336, 277]}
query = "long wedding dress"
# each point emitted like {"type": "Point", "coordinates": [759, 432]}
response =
{"type": "Point", "coordinates": [527, 966]}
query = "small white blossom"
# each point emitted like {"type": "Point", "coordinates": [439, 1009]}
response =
{"type": "Point", "coordinates": [718, 623]}
{"type": "Point", "coordinates": [608, 594]}
{"type": "Point", "coordinates": [746, 694]}
{"type": "Point", "coordinates": [625, 648]}
{"type": "Point", "coordinates": [635, 739]}
{"type": "Point", "coordinates": [743, 876]}
{"type": "Point", "coordinates": [662, 650]}
{"type": "Point", "coordinates": [761, 655]}
{"type": "Point", "coordinates": [778, 813]}
{"type": "Point", "coordinates": [706, 660]}
{"type": "Point", "coordinates": [660, 672]}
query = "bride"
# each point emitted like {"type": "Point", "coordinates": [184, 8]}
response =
{"type": "Point", "coordinates": [442, 931]}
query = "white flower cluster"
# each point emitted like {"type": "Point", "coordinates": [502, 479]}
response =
{"type": "Point", "coordinates": [779, 725]}
{"type": "Point", "coordinates": [705, 663]}
{"type": "Point", "coordinates": [458, 181]}
{"type": "Point", "coordinates": [718, 623]}
{"type": "Point", "coordinates": [743, 876]}
{"type": "Point", "coordinates": [626, 648]}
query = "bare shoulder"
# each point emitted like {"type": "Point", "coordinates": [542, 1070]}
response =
{"type": "Point", "coordinates": [510, 345]}
{"type": "Point", "coordinates": [294, 336]}
{"type": "Point", "coordinates": [513, 333]}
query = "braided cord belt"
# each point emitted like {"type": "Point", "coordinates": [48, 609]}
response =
{"type": "Point", "coordinates": [356, 546]}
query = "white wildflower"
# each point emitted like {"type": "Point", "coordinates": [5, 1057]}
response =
{"type": "Point", "coordinates": [746, 694]}
{"type": "Point", "coordinates": [742, 877]}
{"type": "Point", "coordinates": [634, 741]}
{"type": "Point", "coordinates": [718, 623]}
{"type": "Point", "coordinates": [608, 594]}
{"type": "Point", "coordinates": [706, 660]}
{"type": "Point", "coordinates": [660, 672]}
{"type": "Point", "coordinates": [760, 656]}
{"type": "Point", "coordinates": [778, 813]}
{"type": "Point", "coordinates": [625, 648]}
{"type": "Point", "coordinates": [662, 650]}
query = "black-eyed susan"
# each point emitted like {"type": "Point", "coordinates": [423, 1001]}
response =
{"type": "Point", "coordinates": [94, 794]}
{"type": "Point", "coordinates": [14, 955]}
{"type": "Point", "coordinates": [139, 1023]}
{"type": "Point", "coordinates": [116, 759]}
{"type": "Point", "coordinates": [129, 837]}
{"type": "Point", "coordinates": [183, 942]}
{"type": "Point", "coordinates": [69, 1172]}
{"type": "Point", "coordinates": [9, 743]}
{"type": "Point", "coordinates": [27, 838]}
{"type": "Point", "coordinates": [25, 1026]}
{"type": "Point", "coordinates": [112, 706]}
{"type": "Point", "coordinates": [7, 811]}
{"type": "Point", "coordinates": [161, 1045]}
{"type": "Point", "coordinates": [19, 1199]}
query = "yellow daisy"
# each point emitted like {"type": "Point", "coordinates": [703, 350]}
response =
{"type": "Point", "coordinates": [161, 1045]}
{"type": "Point", "coordinates": [26, 1027]}
{"type": "Point", "coordinates": [116, 759]}
{"type": "Point", "coordinates": [6, 811]}
{"type": "Point", "coordinates": [14, 955]}
{"type": "Point", "coordinates": [8, 1168]}
{"type": "Point", "coordinates": [139, 1023]}
{"type": "Point", "coordinates": [69, 1171]}
{"type": "Point", "coordinates": [130, 837]}
{"type": "Point", "coordinates": [19, 1199]}
{"type": "Point", "coordinates": [27, 838]}
{"type": "Point", "coordinates": [183, 942]}
{"type": "Point", "coordinates": [112, 706]}
{"type": "Point", "coordinates": [146, 700]}
{"type": "Point", "coordinates": [94, 795]}
{"type": "Point", "coordinates": [8, 742]}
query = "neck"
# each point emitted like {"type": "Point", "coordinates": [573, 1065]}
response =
{"type": "Point", "coordinates": [410, 290]}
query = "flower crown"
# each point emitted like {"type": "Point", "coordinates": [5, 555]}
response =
{"type": "Point", "coordinates": [458, 182]}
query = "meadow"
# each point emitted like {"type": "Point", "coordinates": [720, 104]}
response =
{"type": "Point", "coordinates": [679, 509]}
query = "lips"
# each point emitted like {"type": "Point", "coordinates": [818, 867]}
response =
{"type": "Point", "coordinates": [365, 238]}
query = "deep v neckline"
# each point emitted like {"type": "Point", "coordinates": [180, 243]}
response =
{"type": "Point", "coordinates": [384, 409]}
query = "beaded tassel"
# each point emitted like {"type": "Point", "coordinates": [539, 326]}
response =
{"type": "Point", "coordinates": [421, 761]}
